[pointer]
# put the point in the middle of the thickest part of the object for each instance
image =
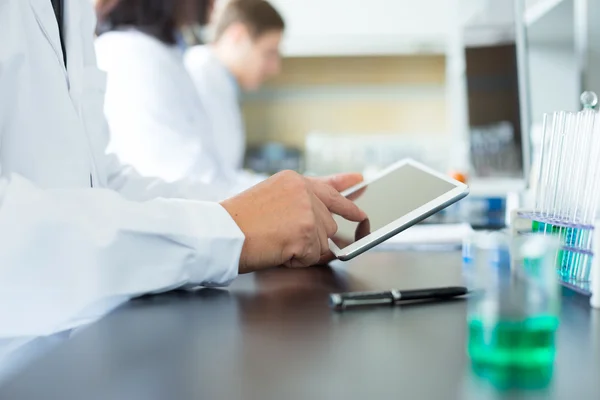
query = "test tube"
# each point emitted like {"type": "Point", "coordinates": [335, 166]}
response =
{"type": "Point", "coordinates": [576, 140]}
{"type": "Point", "coordinates": [552, 164]}
{"type": "Point", "coordinates": [595, 284]}
{"type": "Point", "coordinates": [546, 163]}
{"type": "Point", "coordinates": [566, 181]}
{"type": "Point", "coordinates": [542, 168]}
{"type": "Point", "coordinates": [577, 236]}
{"type": "Point", "coordinates": [589, 100]}
{"type": "Point", "coordinates": [563, 178]}
{"type": "Point", "coordinates": [590, 191]}
{"type": "Point", "coordinates": [580, 168]}
{"type": "Point", "coordinates": [586, 157]}
{"type": "Point", "coordinates": [555, 162]}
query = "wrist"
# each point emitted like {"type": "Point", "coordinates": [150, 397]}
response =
{"type": "Point", "coordinates": [242, 267]}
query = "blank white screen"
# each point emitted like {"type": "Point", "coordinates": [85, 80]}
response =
{"type": "Point", "coordinates": [393, 196]}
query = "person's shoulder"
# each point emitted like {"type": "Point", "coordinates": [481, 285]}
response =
{"type": "Point", "coordinates": [198, 56]}
{"type": "Point", "coordinates": [131, 47]}
{"type": "Point", "coordinates": [127, 39]}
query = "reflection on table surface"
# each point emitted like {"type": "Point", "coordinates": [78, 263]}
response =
{"type": "Point", "coordinates": [16, 354]}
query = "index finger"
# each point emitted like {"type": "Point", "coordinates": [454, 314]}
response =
{"type": "Point", "coordinates": [363, 229]}
{"type": "Point", "coordinates": [357, 194]}
{"type": "Point", "coordinates": [338, 204]}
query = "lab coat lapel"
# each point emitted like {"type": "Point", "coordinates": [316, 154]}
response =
{"type": "Point", "coordinates": [74, 46]}
{"type": "Point", "coordinates": [46, 19]}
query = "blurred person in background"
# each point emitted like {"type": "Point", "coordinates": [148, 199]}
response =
{"type": "Point", "coordinates": [244, 53]}
{"type": "Point", "coordinates": [158, 124]}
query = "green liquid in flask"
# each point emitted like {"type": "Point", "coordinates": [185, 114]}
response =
{"type": "Point", "coordinates": [527, 343]}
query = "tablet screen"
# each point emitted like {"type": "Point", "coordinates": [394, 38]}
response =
{"type": "Point", "coordinates": [389, 198]}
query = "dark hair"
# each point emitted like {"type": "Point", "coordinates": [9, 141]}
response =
{"type": "Point", "coordinates": [158, 18]}
{"type": "Point", "coordinates": [259, 17]}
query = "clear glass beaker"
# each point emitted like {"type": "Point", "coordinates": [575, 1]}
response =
{"type": "Point", "coordinates": [513, 317]}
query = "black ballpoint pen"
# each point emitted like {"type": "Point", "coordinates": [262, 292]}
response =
{"type": "Point", "coordinates": [341, 301]}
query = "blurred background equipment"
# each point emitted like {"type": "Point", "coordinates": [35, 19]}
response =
{"type": "Point", "coordinates": [497, 99]}
{"type": "Point", "coordinates": [495, 151]}
{"type": "Point", "coordinates": [361, 89]}
{"type": "Point", "coordinates": [328, 153]}
{"type": "Point", "coordinates": [273, 157]}
{"type": "Point", "coordinates": [351, 72]}
{"type": "Point", "coordinates": [463, 89]}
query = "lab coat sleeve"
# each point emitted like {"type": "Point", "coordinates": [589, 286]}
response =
{"type": "Point", "coordinates": [64, 250]}
{"type": "Point", "coordinates": [126, 180]}
{"type": "Point", "coordinates": [129, 183]}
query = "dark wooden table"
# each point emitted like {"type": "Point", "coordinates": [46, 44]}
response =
{"type": "Point", "coordinates": [273, 336]}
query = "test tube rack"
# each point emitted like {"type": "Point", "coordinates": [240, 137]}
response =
{"type": "Point", "coordinates": [574, 257]}
{"type": "Point", "coordinates": [567, 192]}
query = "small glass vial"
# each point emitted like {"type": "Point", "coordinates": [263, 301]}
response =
{"type": "Point", "coordinates": [480, 250]}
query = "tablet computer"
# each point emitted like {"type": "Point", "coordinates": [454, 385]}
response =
{"type": "Point", "coordinates": [398, 197]}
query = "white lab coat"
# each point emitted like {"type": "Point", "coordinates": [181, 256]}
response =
{"type": "Point", "coordinates": [63, 245]}
{"type": "Point", "coordinates": [157, 122]}
{"type": "Point", "coordinates": [220, 94]}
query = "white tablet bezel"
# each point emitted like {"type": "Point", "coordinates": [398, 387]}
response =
{"type": "Point", "coordinates": [404, 222]}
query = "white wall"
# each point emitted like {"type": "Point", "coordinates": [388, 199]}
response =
{"type": "Point", "coordinates": [592, 81]}
{"type": "Point", "coordinates": [553, 70]}
{"type": "Point", "coordinates": [553, 79]}
{"type": "Point", "coordinates": [358, 27]}
{"type": "Point", "coordinates": [361, 17]}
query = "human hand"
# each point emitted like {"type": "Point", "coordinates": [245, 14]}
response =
{"type": "Point", "coordinates": [287, 219]}
{"type": "Point", "coordinates": [340, 183]}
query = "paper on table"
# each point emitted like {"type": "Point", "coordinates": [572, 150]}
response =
{"type": "Point", "coordinates": [445, 235]}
